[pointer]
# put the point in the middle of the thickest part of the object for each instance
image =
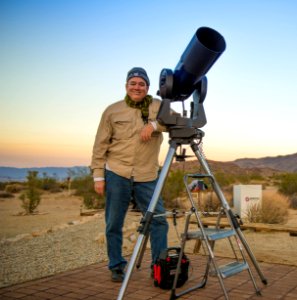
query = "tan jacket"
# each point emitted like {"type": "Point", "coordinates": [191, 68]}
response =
{"type": "Point", "coordinates": [118, 143]}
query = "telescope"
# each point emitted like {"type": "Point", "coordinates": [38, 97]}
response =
{"type": "Point", "coordinates": [204, 49]}
{"type": "Point", "coordinates": [189, 78]}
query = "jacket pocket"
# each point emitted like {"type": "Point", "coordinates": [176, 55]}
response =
{"type": "Point", "coordinates": [122, 128]}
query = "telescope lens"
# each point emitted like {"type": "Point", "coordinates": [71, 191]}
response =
{"type": "Point", "coordinates": [211, 39]}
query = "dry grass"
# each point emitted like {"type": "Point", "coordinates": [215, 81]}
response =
{"type": "Point", "coordinates": [273, 210]}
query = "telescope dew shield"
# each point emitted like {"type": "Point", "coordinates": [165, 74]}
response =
{"type": "Point", "coordinates": [204, 49]}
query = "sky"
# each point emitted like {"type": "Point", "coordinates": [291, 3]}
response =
{"type": "Point", "coordinates": [62, 62]}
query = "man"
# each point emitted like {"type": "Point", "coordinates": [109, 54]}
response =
{"type": "Point", "coordinates": [125, 160]}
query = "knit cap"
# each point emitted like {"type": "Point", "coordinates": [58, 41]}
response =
{"type": "Point", "coordinates": [138, 72]}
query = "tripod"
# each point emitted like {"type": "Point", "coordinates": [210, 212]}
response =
{"type": "Point", "coordinates": [188, 78]}
{"type": "Point", "coordinates": [181, 135]}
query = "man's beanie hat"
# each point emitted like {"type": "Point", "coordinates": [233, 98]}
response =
{"type": "Point", "coordinates": [138, 72]}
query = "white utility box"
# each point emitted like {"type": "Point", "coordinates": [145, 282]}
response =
{"type": "Point", "coordinates": [245, 196]}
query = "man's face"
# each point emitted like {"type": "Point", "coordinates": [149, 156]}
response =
{"type": "Point", "coordinates": [136, 88]}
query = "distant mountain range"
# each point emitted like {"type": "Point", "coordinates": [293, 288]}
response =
{"type": "Point", "coordinates": [60, 173]}
{"type": "Point", "coordinates": [286, 163]}
{"type": "Point", "coordinates": [264, 166]}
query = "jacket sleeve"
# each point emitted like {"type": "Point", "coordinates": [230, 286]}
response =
{"type": "Point", "coordinates": [101, 144]}
{"type": "Point", "coordinates": [160, 127]}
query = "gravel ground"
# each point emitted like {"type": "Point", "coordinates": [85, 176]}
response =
{"type": "Point", "coordinates": [58, 249]}
{"type": "Point", "coordinates": [28, 257]}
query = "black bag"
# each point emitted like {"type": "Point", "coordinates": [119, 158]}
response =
{"type": "Point", "coordinates": [165, 268]}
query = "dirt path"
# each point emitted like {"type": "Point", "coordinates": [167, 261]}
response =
{"type": "Point", "coordinates": [54, 209]}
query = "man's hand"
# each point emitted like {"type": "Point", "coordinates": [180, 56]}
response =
{"type": "Point", "coordinates": [146, 132]}
{"type": "Point", "coordinates": [99, 187]}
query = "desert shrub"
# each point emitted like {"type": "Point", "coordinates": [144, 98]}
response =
{"type": "Point", "coordinates": [288, 184]}
{"type": "Point", "coordinates": [92, 201]}
{"type": "Point", "coordinates": [293, 201]}
{"type": "Point", "coordinates": [84, 187]}
{"type": "Point", "coordinates": [66, 184]}
{"type": "Point", "coordinates": [173, 188]}
{"type": "Point", "coordinates": [2, 185]}
{"type": "Point", "coordinates": [4, 194]}
{"type": "Point", "coordinates": [49, 184]}
{"type": "Point", "coordinates": [228, 194]}
{"type": "Point", "coordinates": [243, 179]}
{"type": "Point", "coordinates": [274, 210]}
{"type": "Point", "coordinates": [254, 213]}
{"type": "Point", "coordinates": [14, 188]}
{"type": "Point", "coordinates": [208, 202]}
{"type": "Point", "coordinates": [224, 179]}
{"type": "Point", "coordinates": [256, 177]}
{"type": "Point", "coordinates": [31, 196]}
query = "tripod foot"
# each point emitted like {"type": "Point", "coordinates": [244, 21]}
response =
{"type": "Point", "coordinates": [173, 296]}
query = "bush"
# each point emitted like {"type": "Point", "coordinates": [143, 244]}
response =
{"type": "Point", "coordinates": [288, 184]}
{"type": "Point", "coordinates": [274, 210]}
{"type": "Point", "coordinates": [256, 177]}
{"type": "Point", "coordinates": [224, 179]}
{"type": "Point", "coordinates": [84, 187]}
{"type": "Point", "coordinates": [293, 201]}
{"type": "Point", "coordinates": [173, 189]}
{"type": "Point", "coordinates": [209, 202]}
{"type": "Point", "coordinates": [31, 197]}
{"type": "Point", "coordinates": [254, 213]}
{"type": "Point", "coordinates": [2, 185]}
{"type": "Point", "coordinates": [6, 195]}
{"type": "Point", "coordinates": [14, 188]}
{"type": "Point", "coordinates": [49, 184]}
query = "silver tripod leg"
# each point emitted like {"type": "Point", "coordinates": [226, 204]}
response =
{"type": "Point", "coordinates": [140, 256]}
{"type": "Point", "coordinates": [147, 219]}
{"type": "Point", "coordinates": [230, 215]}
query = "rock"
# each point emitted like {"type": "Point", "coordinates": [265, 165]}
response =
{"type": "Point", "coordinates": [17, 238]}
{"type": "Point", "coordinates": [73, 222]}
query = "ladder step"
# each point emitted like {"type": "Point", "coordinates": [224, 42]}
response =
{"type": "Point", "coordinates": [212, 234]}
{"type": "Point", "coordinates": [231, 269]}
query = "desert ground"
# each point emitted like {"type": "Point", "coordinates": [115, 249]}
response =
{"type": "Point", "coordinates": [59, 224]}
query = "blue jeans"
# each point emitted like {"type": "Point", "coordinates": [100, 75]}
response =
{"type": "Point", "coordinates": [118, 197]}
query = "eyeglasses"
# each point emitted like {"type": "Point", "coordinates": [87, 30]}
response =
{"type": "Point", "coordinates": [133, 84]}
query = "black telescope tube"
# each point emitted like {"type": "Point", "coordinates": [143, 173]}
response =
{"type": "Point", "coordinates": [203, 50]}
{"type": "Point", "coordinates": [201, 53]}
